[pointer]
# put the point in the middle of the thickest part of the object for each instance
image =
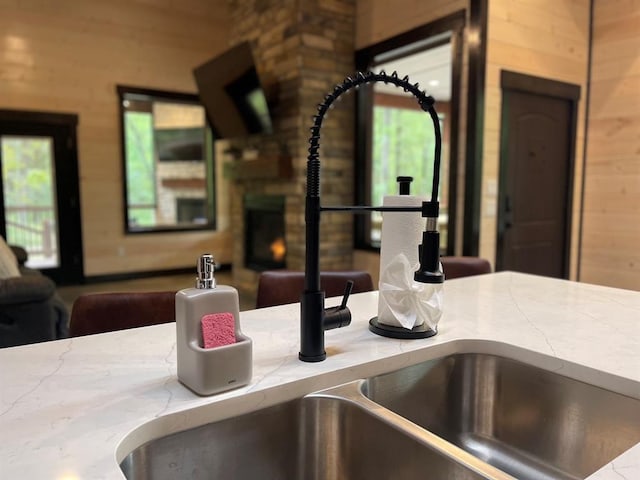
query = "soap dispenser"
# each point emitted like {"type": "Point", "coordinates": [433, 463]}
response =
{"type": "Point", "coordinates": [213, 354]}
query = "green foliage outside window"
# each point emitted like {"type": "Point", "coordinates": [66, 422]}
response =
{"type": "Point", "coordinates": [403, 143]}
{"type": "Point", "coordinates": [29, 191]}
{"type": "Point", "coordinates": [141, 189]}
{"type": "Point", "coordinates": [27, 172]}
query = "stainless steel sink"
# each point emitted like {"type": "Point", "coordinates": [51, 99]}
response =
{"type": "Point", "coordinates": [317, 437]}
{"type": "Point", "coordinates": [528, 422]}
{"type": "Point", "coordinates": [464, 416]}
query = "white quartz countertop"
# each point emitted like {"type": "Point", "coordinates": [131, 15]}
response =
{"type": "Point", "coordinates": [73, 409]}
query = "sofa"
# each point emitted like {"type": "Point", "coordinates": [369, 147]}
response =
{"type": "Point", "coordinates": [30, 309]}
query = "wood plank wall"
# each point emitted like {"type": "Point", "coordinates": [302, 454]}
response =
{"type": "Point", "coordinates": [543, 38]}
{"type": "Point", "coordinates": [68, 56]}
{"type": "Point", "coordinates": [611, 230]}
{"type": "Point", "coordinates": [378, 20]}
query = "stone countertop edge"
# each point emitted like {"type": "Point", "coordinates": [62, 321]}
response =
{"type": "Point", "coordinates": [74, 408]}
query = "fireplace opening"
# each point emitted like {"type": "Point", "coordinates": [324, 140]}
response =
{"type": "Point", "coordinates": [265, 243]}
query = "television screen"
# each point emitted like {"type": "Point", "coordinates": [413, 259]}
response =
{"type": "Point", "coordinates": [230, 90]}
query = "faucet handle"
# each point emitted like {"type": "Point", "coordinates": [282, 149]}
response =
{"type": "Point", "coordinates": [347, 291]}
{"type": "Point", "coordinates": [340, 316]}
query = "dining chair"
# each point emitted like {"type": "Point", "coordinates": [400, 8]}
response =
{"type": "Point", "coordinates": [464, 266]}
{"type": "Point", "coordinates": [106, 312]}
{"type": "Point", "coordinates": [278, 287]}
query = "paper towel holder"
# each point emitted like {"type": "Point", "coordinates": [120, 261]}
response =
{"type": "Point", "coordinates": [312, 318]}
{"type": "Point", "coordinates": [391, 331]}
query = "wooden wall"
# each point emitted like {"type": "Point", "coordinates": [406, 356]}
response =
{"type": "Point", "coordinates": [611, 231]}
{"type": "Point", "coordinates": [379, 20]}
{"type": "Point", "coordinates": [544, 38]}
{"type": "Point", "coordinates": [68, 56]}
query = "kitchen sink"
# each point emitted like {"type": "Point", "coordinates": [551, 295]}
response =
{"type": "Point", "coordinates": [316, 437]}
{"type": "Point", "coordinates": [461, 416]}
{"type": "Point", "coordinates": [528, 422]}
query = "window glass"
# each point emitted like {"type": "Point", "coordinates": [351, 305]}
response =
{"type": "Point", "coordinates": [29, 191]}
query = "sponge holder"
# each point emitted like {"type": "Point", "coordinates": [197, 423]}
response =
{"type": "Point", "coordinates": [208, 371]}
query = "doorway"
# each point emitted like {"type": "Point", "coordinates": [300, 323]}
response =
{"type": "Point", "coordinates": [537, 139]}
{"type": "Point", "coordinates": [39, 191]}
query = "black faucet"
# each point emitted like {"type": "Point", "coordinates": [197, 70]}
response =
{"type": "Point", "coordinates": [314, 318]}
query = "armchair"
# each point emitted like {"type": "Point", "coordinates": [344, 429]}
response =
{"type": "Point", "coordinates": [30, 309]}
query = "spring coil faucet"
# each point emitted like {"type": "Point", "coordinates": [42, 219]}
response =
{"type": "Point", "coordinates": [314, 318]}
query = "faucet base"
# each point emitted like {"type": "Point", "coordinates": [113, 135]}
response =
{"type": "Point", "coordinates": [314, 358]}
{"type": "Point", "coordinates": [421, 331]}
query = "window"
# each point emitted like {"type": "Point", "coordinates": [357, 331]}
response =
{"type": "Point", "coordinates": [168, 162]}
{"type": "Point", "coordinates": [396, 138]}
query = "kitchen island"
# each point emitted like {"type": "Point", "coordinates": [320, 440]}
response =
{"type": "Point", "coordinates": [73, 409]}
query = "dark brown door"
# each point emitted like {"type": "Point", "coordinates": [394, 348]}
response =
{"type": "Point", "coordinates": [536, 164]}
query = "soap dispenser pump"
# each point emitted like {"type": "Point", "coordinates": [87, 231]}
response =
{"type": "Point", "coordinates": [211, 312]}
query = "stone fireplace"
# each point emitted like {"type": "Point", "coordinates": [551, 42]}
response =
{"type": "Point", "coordinates": [302, 49]}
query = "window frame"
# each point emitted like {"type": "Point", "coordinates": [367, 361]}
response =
{"type": "Point", "coordinates": [210, 175]}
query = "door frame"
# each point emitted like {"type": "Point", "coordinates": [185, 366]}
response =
{"type": "Point", "coordinates": [518, 82]}
{"type": "Point", "coordinates": [71, 268]}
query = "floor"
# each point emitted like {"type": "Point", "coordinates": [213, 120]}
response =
{"type": "Point", "coordinates": [151, 284]}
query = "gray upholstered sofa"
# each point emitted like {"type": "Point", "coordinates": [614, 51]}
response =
{"type": "Point", "coordinates": [30, 309]}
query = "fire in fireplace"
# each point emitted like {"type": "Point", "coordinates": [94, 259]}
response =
{"type": "Point", "coordinates": [265, 244]}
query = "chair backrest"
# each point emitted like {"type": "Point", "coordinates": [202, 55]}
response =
{"type": "Point", "coordinates": [278, 287]}
{"type": "Point", "coordinates": [456, 267]}
{"type": "Point", "coordinates": [105, 312]}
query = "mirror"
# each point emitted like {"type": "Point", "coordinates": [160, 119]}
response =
{"type": "Point", "coordinates": [168, 162]}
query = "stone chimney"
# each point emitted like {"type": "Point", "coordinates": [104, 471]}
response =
{"type": "Point", "coordinates": [302, 49]}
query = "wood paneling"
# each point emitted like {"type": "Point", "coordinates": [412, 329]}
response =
{"type": "Point", "coordinates": [544, 38]}
{"type": "Point", "coordinates": [377, 20]}
{"type": "Point", "coordinates": [68, 56]}
{"type": "Point", "coordinates": [611, 230]}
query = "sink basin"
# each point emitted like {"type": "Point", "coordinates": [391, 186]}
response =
{"type": "Point", "coordinates": [316, 438]}
{"type": "Point", "coordinates": [526, 421]}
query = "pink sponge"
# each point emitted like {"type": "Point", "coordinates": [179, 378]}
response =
{"type": "Point", "coordinates": [218, 329]}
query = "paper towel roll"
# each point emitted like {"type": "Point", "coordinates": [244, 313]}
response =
{"type": "Point", "coordinates": [401, 233]}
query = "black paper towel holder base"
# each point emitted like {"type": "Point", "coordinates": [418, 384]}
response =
{"type": "Point", "coordinates": [390, 331]}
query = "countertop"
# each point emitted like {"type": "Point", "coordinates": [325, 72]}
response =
{"type": "Point", "coordinates": [72, 409]}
